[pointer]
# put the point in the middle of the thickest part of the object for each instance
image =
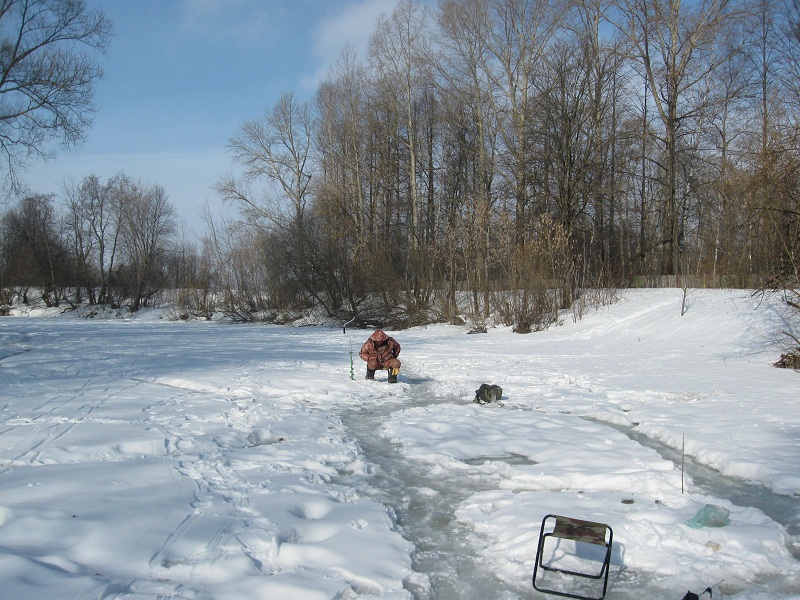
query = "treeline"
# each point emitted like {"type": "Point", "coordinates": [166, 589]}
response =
{"type": "Point", "coordinates": [498, 157]}
{"type": "Point", "coordinates": [111, 243]}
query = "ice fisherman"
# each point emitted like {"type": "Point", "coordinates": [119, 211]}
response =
{"type": "Point", "coordinates": [380, 351]}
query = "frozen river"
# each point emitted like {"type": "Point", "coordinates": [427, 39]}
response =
{"type": "Point", "coordinates": [143, 459]}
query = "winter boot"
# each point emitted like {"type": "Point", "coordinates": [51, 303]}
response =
{"type": "Point", "coordinates": [393, 375]}
{"type": "Point", "coordinates": [370, 374]}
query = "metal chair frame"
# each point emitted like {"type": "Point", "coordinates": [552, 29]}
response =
{"type": "Point", "coordinates": [578, 530]}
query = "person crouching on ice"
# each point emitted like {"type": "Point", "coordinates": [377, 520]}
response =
{"type": "Point", "coordinates": [380, 351]}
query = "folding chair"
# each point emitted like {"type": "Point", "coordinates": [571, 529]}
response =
{"type": "Point", "coordinates": [580, 532]}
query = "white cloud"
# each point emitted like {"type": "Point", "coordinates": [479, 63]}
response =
{"type": "Point", "coordinates": [354, 25]}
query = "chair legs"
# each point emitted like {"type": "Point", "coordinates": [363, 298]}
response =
{"type": "Point", "coordinates": [579, 532]}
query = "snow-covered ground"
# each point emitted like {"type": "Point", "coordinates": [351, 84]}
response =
{"type": "Point", "coordinates": [145, 459]}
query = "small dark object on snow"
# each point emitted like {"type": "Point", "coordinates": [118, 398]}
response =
{"type": "Point", "coordinates": [477, 329]}
{"type": "Point", "coordinates": [693, 596]}
{"type": "Point", "coordinates": [488, 393]}
{"type": "Point", "coordinates": [790, 360]}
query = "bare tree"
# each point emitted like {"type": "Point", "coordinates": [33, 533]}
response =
{"type": "Point", "coordinates": [469, 177]}
{"type": "Point", "coordinates": [676, 44]}
{"type": "Point", "coordinates": [273, 193]}
{"type": "Point", "coordinates": [148, 225]}
{"type": "Point", "coordinates": [82, 246]}
{"type": "Point", "coordinates": [94, 215]}
{"type": "Point", "coordinates": [341, 102]}
{"type": "Point", "coordinates": [344, 201]}
{"type": "Point", "coordinates": [48, 72]}
{"type": "Point", "coordinates": [604, 56]}
{"type": "Point", "coordinates": [274, 151]}
{"type": "Point", "coordinates": [399, 49]}
{"type": "Point", "coordinates": [37, 255]}
{"type": "Point", "coordinates": [521, 30]}
{"type": "Point", "coordinates": [252, 281]}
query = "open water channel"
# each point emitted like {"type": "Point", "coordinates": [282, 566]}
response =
{"type": "Point", "coordinates": [424, 506]}
{"type": "Point", "coordinates": [446, 563]}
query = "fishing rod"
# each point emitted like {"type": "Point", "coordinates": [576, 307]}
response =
{"type": "Point", "coordinates": [692, 596]}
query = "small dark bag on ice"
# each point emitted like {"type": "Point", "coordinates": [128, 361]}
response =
{"type": "Point", "coordinates": [488, 393]}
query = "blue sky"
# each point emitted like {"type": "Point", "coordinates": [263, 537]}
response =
{"type": "Point", "coordinates": [182, 75]}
